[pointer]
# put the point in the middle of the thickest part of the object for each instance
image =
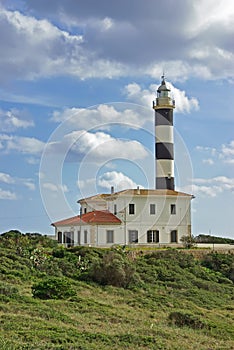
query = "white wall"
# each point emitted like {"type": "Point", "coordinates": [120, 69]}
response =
{"type": "Point", "coordinates": [141, 220]}
{"type": "Point", "coordinates": [163, 220]}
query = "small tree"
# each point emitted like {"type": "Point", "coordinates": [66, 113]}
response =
{"type": "Point", "coordinates": [188, 241]}
{"type": "Point", "coordinates": [53, 288]}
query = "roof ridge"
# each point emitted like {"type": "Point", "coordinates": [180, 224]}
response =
{"type": "Point", "coordinates": [95, 216]}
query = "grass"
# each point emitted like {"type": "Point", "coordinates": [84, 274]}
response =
{"type": "Point", "coordinates": [174, 304]}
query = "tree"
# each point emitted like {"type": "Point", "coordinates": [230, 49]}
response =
{"type": "Point", "coordinates": [188, 241]}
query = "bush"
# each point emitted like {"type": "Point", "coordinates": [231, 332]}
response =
{"type": "Point", "coordinates": [182, 319]}
{"type": "Point", "coordinates": [188, 241]}
{"type": "Point", "coordinates": [53, 288]}
{"type": "Point", "coordinates": [223, 263]}
{"type": "Point", "coordinates": [113, 269]}
{"type": "Point", "coordinates": [87, 252]}
{"type": "Point", "coordinates": [58, 252]}
{"type": "Point", "coordinates": [178, 258]}
{"type": "Point", "coordinates": [8, 290]}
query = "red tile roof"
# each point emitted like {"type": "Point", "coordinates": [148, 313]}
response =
{"type": "Point", "coordinates": [93, 217]}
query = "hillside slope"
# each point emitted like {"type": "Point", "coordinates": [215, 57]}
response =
{"type": "Point", "coordinates": [107, 300]}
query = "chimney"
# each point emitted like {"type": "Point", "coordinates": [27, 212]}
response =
{"type": "Point", "coordinates": [112, 189]}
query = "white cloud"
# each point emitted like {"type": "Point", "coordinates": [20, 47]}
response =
{"type": "Point", "coordinates": [210, 150]}
{"type": "Point", "coordinates": [25, 145]}
{"type": "Point", "coordinates": [6, 178]}
{"type": "Point", "coordinates": [54, 187]}
{"type": "Point", "coordinates": [107, 23]}
{"type": "Point", "coordinates": [55, 52]}
{"type": "Point", "coordinates": [189, 43]}
{"type": "Point", "coordinates": [228, 149]}
{"type": "Point", "coordinates": [83, 184]}
{"type": "Point", "coordinates": [13, 119]}
{"type": "Point", "coordinates": [213, 186]}
{"type": "Point", "coordinates": [225, 153]}
{"type": "Point", "coordinates": [116, 179]}
{"type": "Point", "coordinates": [208, 161]}
{"type": "Point", "coordinates": [32, 160]}
{"type": "Point", "coordinates": [7, 195]}
{"type": "Point", "coordinates": [216, 12]}
{"type": "Point", "coordinates": [229, 161]}
{"type": "Point", "coordinates": [184, 104]}
{"type": "Point", "coordinates": [205, 191]}
{"type": "Point", "coordinates": [96, 147]}
{"type": "Point", "coordinates": [30, 185]}
{"type": "Point", "coordinates": [180, 70]}
{"type": "Point", "coordinates": [136, 94]}
{"type": "Point", "coordinates": [101, 117]}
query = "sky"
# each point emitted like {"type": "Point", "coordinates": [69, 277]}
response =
{"type": "Point", "coordinates": [76, 88]}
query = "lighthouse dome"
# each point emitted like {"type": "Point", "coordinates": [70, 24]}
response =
{"type": "Point", "coordinates": [163, 86]}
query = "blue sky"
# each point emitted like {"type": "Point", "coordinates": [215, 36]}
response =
{"type": "Point", "coordinates": [76, 89]}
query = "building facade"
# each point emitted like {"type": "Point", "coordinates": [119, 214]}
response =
{"type": "Point", "coordinates": [135, 216]}
{"type": "Point", "coordinates": [159, 216]}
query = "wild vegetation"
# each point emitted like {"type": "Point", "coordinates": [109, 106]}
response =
{"type": "Point", "coordinates": [213, 239]}
{"type": "Point", "coordinates": [88, 298]}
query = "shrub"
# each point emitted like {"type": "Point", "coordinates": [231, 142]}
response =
{"type": "Point", "coordinates": [58, 252]}
{"type": "Point", "coordinates": [8, 290]}
{"type": "Point", "coordinates": [188, 241]}
{"type": "Point", "coordinates": [182, 319]}
{"type": "Point", "coordinates": [223, 263]}
{"type": "Point", "coordinates": [53, 288]}
{"type": "Point", "coordinates": [51, 268]}
{"type": "Point", "coordinates": [178, 258]}
{"type": "Point", "coordinates": [39, 256]}
{"type": "Point", "coordinates": [113, 269]}
{"type": "Point", "coordinates": [87, 252]}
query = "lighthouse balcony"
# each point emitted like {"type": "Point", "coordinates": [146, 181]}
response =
{"type": "Point", "coordinates": [164, 101]}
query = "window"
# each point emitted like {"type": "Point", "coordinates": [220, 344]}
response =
{"type": "Point", "coordinates": [133, 236]}
{"type": "Point", "coordinates": [110, 236]}
{"type": "Point", "coordinates": [85, 210]}
{"type": "Point", "coordinates": [131, 209]}
{"type": "Point", "coordinates": [153, 236]}
{"type": "Point", "coordinates": [115, 209]}
{"type": "Point", "coordinates": [174, 237]}
{"type": "Point", "coordinates": [173, 209]}
{"type": "Point", "coordinates": [85, 236]}
{"type": "Point", "coordinates": [68, 237]}
{"type": "Point", "coordinates": [152, 209]}
{"type": "Point", "coordinates": [60, 237]}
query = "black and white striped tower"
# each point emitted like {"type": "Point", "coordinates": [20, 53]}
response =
{"type": "Point", "coordinates": [164, 140]}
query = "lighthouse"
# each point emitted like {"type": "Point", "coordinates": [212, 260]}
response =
{"type": "Point", "coordinates": [136, 215]}
{"type": "Point", "coordinates": [164, 140]}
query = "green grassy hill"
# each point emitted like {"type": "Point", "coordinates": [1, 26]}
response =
{"type": "Point", "coordinates": [84, 298]}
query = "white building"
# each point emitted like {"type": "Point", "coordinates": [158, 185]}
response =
{"type": "Point", "coordinates": [136, 216]}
